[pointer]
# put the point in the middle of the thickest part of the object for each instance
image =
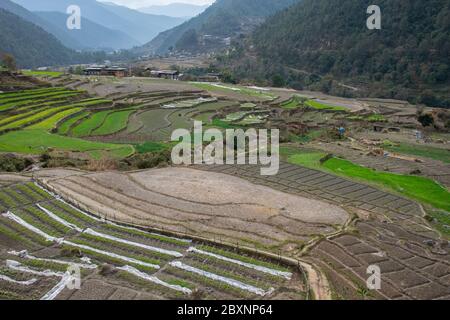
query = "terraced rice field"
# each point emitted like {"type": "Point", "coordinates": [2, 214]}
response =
{"type": "Point", "coordinates": [28, 117]}
{"type": "Point", "coordinates": [119, 261]}
{"type": "Point", "coordinates": [319, 105]}
{"type": "Point", "coordinates": [114, 122]}
{"type": "Point", "coordinates": [157, 124]}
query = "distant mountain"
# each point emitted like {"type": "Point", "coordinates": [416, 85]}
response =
{"type": "Point", "coordinates": [212, 28]}
{"type": "Point", "coordinates": [143, 26]}
{"type": "Point", "coordinates": [179, 10]}
{"type": "Point", "coordinates": [137, 25]}
{"type": "Point", "coordinates": [57, 31]}
{"type": "Point", "coordinates": [29, 44]}
{"type": "Point", "coordinates": [320, 44]}
{"type": "Point", "coordinates": [91, 36]}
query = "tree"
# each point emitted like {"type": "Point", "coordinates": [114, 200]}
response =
{"type": "Point", "coordinates": [278, 81]}
{"type": "Point", "coordinates": [9, 62]}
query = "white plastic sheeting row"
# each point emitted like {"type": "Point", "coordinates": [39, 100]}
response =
{"type": "Point", "coordinates": [28, 226]}
{"type": "Point", "coordinates": [58, 219]}
{"type": "Point", "coordinates": [213, 276]}
{"type": "Point", "coordinates": [23, 283]}
{"type": "Point", "coordinates": [24, 255]}
{"type": "Point", "coordinates": [15, 218]}
{"type": "Point", "coordinates": [109, 237]}
{"type": "Point", "coordinates": [15, 265]}
{"type": "Point", "coordinates": [134, 244]}
{"type": "Point", "coordinates": [287, 275]}
{"type": "Point", "coordinates": [113, 255]}
{"type": "Point", "coordinates": [154, 279]}
{"type": "Point", "coordinates": [151, 233]}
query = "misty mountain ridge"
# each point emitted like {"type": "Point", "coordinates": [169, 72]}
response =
{"type": "Point", "coordinates": [137, 25]}
{"type": "Point", "coordinates": [178, 10]}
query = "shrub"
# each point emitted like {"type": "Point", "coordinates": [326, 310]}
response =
{"type": "Point", "coordinates": [12, 163]}
{"type": "Point", "coordinates": [150, 160]}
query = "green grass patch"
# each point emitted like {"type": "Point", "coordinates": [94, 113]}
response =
{"type": "Point", "coordinates": [49, 74]}
{"type": "Point", "coordinates": [218, 123]}
{"type": "Point", "coordinates": [38, 141]}
{"type": "Point", "coordinates": [376, 118]}
{"type": "Point", "coordinates": [420, 151]}
{"type": "Point", "coordinates": [422, 189]}
{"type": "Point", "coordinates": [152, 147]}
{"type": "Point", "coordinates": [322, 106]}
{"type": "Point", "coordinates": [293, 103]}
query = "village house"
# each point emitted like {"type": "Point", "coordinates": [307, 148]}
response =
{"type": "Point", "coordinates": [165, 74]}
{"type": "Point", "coordinates": [102, 70]}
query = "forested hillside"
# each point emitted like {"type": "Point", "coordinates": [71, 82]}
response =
{"type": "Point", "coordinates": [322, 44]}
{"type": "Point", "coordinates": [30, 45]}
{"type": "Point", "coordinates": [33, 47]}
{"type": "Point", "coordinates": [225, 18]}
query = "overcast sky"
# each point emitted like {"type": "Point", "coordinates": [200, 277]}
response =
{"type": "Point", "coordinates": [144, 3]}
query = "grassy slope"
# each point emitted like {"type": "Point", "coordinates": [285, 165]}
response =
{"type": "Point", "coordinates": [37, 141]}
{"type": "Point", "coordinates": [419, 188]}
{"type": "Point", "coordinates": [422, 151]}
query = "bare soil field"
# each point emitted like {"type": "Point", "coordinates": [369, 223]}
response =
{"type": "Point", "coordinates": [186, 200]}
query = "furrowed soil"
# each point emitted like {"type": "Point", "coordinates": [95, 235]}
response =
{"type": "Point", "coordinates": [221, 206]}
